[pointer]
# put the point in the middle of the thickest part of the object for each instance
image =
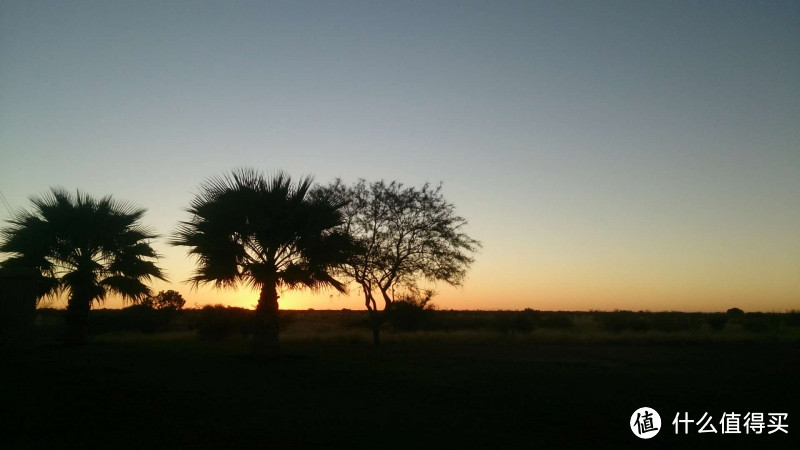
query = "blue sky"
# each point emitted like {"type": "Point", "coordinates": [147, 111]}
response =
{"type": "Point", "coordinates": [638, 155]}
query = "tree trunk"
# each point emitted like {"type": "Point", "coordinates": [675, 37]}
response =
{"type": "Point", "coordinates": [77, 319]}
{"type": "Point", "coordinates": [265, 332]}
{"type": "Point", "coordinates": [374, 317]}
{"type": "Point", "coordinates": [386, 298]}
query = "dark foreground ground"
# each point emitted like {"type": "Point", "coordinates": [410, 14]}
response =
{"type": "Point", "coordinates": [174, 391]}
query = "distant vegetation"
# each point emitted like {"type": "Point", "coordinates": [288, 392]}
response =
{"type": "Point", "coordinates": [165, 300]}
{"type": "Point", "coordinates": [413, 320]}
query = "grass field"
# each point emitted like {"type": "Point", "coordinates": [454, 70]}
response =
{"type": "Point", "coordinates": [547, 388]}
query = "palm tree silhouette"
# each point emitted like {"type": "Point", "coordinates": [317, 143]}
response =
{"type": "Point", "coordinates": [83, 246]}
{"type": "Point", "coordinates": [268, 233]}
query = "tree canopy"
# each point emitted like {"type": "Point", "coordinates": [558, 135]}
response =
{"type": "Point", "coordinates": [169, 300]}
{"type": "Point", "coordinates": [269, 233]}
{"type": "Point", "coordinates": [406, 235]}
{"type": "Point", "coordinates": [85, 247]}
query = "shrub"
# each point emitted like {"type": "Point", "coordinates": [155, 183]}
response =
{"type": "Point", "coordinates": [623, 321]}
{"type": "Point", "coordinates": [735, 312]}
{"type": "Point", "coordinates": [411, 312]}
{"type": "Point", "coordinates": [760, 323]}
{"type": "Point", "coordinates": [556, 320]}
{"type": "Point", "coordinates": [403, 315]}
{"type": "Point", "coordinates": [141, 318]}
{"type": "Point", "coordinates": [513, 322]}
{"type": "Point", "coordinates": [215, 322]}
{"type": "Point", "coordinates": [169, 300]}
{"type": "Point", "coordinates": [675, 321]}
{"type": "Point", "coordinates": [717, 321]}
{"type": "Point", "coordinates": [361, 321]}
{"type": "Point", "coordinates": [792, 319]}
{"type": "Point", "coordinates": [50, 323]}
{"type": "Point", "coordinates": [521, 322]}
{"type": "Point", "coordinates": [464, 320]}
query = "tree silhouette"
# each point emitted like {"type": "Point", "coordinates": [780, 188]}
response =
{"type": "Point", "coordinates": [85, 247]}
{"type": "Point", "coordinates": [171, 300]}
{"type": "Point", "coordinates": [268, 233]}
{"type": "Point", "coordinates": [405, 235]}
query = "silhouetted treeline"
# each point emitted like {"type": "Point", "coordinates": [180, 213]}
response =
{"type": "Point", "coordinates": [214, 322]}
{"type": "Point", "coordinates": [210, 322]}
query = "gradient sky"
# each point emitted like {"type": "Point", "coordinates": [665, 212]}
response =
{"type": "Point", "coordinates": [609, 155]}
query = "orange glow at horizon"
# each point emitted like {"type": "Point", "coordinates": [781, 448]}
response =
{"type": "Point", "coordinates": [602, 295]}
{"type": "Point", "coordinates": [549, 280]}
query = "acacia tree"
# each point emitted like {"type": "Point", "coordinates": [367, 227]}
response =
{"type": "Point", "coordinates": [405, 235]}
{"type": "Point", "coordinates": [84, 247]}
{"type": "Point", "coordinates": [167, 300]}
{"type": "Point", "coordinates": [268, 233]}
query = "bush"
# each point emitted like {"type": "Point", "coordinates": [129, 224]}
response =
{"type": "Point", "coordinates": [760, 323]}
{"type": "Point", "coordinates": [521, 322]}
{"type": "Point", "coordinates": [411, 313]}
{"type": "Point", "coordinates": [623, 321]}
{"type": "Point", "coordinates": [216, 322]}
{"type": "Point", "coordinates": [142, 318]}
{"type": "Point", "coordinates": [792, 319]}
{"type": "Point", "coordinates": [717, 321]}
{"type": "Point", "coordinates": [513, 322]}
{"type": "Point", "coordinates": [735, 312]}
{"type": "Point", "coordinates": [50, 323]}
{"type": "Point", "coordinates": [463, 320]}
{"type": "Point", "coordinates": [361, 321]}
{"type": "Point", "coordinates": [168, 300]}
{"type": "Point", "coordinates": [403, 315]}
{"type": "Point", "coordinates": [557, 320]}
{"type": "Point", "coordinates": [675, 321]}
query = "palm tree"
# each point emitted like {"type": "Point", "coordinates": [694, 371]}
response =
{"type": "Point", "coordinates": [267, 233]}
{"type": "Point", "coordinates": [84, 247]}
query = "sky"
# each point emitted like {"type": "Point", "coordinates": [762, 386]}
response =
{"type": "Point", "coordinates": [608, 155]}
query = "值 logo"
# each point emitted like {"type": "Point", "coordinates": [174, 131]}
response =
{"type": "Point", "coordinates": [645, 422]}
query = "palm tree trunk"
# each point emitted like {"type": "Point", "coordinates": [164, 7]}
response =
{"type": "Point", "coordinates": [77, 319]}
{"type": "Point", "coordinates": [265, 333]}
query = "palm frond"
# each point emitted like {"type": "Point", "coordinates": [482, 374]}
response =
{"type": "Point", "coordinates": [130, 288]}
{"type": "Point", "coordinates": [259, 230]}
{"type": "Point", "coordinates": [79, 239]}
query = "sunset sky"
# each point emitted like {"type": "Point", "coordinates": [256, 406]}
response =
{"type": "Point", "coordinates": [608, 155]}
